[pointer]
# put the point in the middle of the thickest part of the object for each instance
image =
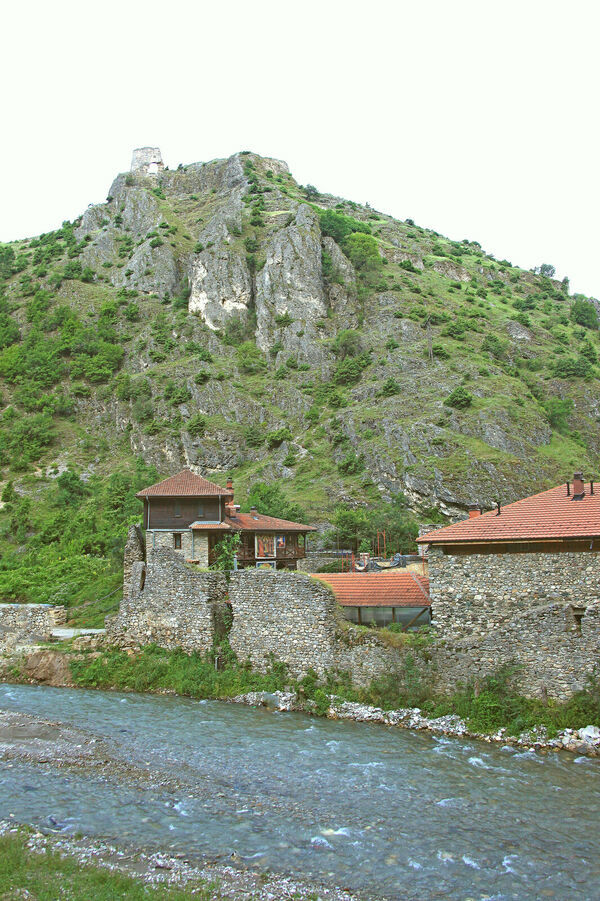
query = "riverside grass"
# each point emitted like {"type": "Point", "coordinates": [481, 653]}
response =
{"type": "Point", "coordinates": [486, 707]}
{"type": "Point", "coordinates": [46, 875]}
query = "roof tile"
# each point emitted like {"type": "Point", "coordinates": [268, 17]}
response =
{"type": "Point", "coordinates": [549, 515]}
{"type": "Point", "coordinates": [185, 484]}
{"type": "Point", "coordinates": [398, 589]}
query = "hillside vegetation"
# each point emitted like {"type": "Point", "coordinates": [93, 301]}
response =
{"type": "Point", "coordinates": [225, 317]}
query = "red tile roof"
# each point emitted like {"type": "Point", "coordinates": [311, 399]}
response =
{"type": "Point", "coordinates": [248, 522]}
{"type": "Point", "coordinates": [397, 589]}
{"type": "Point", "coordinates": [550, 515]}
{"type": "Point", "coordinates": [184, 484]}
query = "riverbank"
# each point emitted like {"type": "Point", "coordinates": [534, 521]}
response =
{"type": "Point", "coordinates": [30, 861]}
{"type": "Point", "coordinates": [489, 712]}
{"type": "Point", "coordinates": [27, 739]}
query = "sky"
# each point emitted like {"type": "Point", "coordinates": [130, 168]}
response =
{"type": "Point", "coordinates": [476, 119]}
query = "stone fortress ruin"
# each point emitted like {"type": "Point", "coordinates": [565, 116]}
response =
{"type": "Point", "coordinates": [147, 161]}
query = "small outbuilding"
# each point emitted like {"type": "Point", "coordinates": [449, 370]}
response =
{"type": "Point", "coordinates": [379, 599]}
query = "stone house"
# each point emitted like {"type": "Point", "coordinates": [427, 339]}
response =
{"type": "Point", "coordinates": [493, 568]}
{"type": "Point", "coordinates": [190, 515]}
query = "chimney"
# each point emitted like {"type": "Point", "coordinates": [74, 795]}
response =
{"type": "Point", "coordinates": [229, 486]}
{"type": "Point", "coordinates": [578, 487]}
{"type": "Point", "coordinates": [474, 510]}
{"type": "Point", "coordinates": [253, 512]}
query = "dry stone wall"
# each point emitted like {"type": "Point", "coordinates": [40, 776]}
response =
{"type": "Point", "coordinates": [168, 603]}
{"type": "Point", "coordinates": [287, 615]}
{"type": "Point", "coordinates": [27, 623]}
{"type": "Point", "coordinates": [555, 648]}
{"type": "Point", "coordinates": [473, 594]}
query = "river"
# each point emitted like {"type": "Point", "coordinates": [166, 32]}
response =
{"type": "Point", "coordinates": [386, 812]}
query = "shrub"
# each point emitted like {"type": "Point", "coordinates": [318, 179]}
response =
{"type": "Point", "coordinates": [363, 251]}
{"type": "Point", "coordinates": [572, 368]}
{"type": "Point", "coordinates": [196, 425]}
{"type": "Point", "coordinates": [350, 370]}
{"type": "Point", "coordinates": [156, 242]}
{"type": "Point", "coordinates": [460, 398]}
{"type": "Point", "coordinates": [438, 350]}
{"type": "Point", "coordinates": [254, 435]}
{"type": "Point", "coordinates": [494, 346]}
{"type": "Point", "coordinates": [338, 226]}
{"type": "Point", "coordinates": [202, 377]}
{"type": "Point", "coordinates": [584, 313]}
{"type": "Point", "coordinates": [391, 344]}
{"type": "Point", "coordinates": [250, 359]}
{"type": "Point", "coordinates": [347, 343]}
{"type": "Point", "coordinates": [283, 319]}
{"type": "Point", "coordinates": [351, 464]}
{"type": "Point", "coordinates": [390, 387]}
{"type": "Point", "coordinates": [277, 437]}
{"type": "Point", "coordinates": [557, 410]}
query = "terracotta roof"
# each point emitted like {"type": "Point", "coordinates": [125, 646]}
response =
{"type": "Point", "coordinates": [550, 515]}
{"type": "Point", "coordinates": [247, 522]}
{"type": "Point", "coordinates": [401, 589]}
{"type": "Point", "coordinates": [184, 484]}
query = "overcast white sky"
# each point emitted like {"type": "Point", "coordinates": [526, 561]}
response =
{"type": "Point", "coordinates": [477, 119]}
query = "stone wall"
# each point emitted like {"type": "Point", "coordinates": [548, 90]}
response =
{"type": "Point", "coordinates": [168, 603]}
{"type": "Point", "coordinates": [555, 647]}
{"type": "Point", "coordinates": [194, 545]}
{"type": "Point", "coordinates": [27, 623]}
{"type": "Point", "coordinates": [135, 552]}
{"type": "Point", "coordinates": [287, 615]}
{"type": "Point", "coordinates": [473, 594]}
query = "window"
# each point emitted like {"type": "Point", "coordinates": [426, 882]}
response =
{"type": "Point", "coordinates": [200, 511]}
{"type": "Point", "coordinates": [177, 508]}
{"type": "Point", "coordinates": [177, 541]}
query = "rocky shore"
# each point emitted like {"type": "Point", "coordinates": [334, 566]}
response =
{"type": "Point", "coordinates": [578, 741]}
{"type": "Point", "coordinates": [51, 667]}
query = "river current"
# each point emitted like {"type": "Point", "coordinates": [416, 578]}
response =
{"type": "Point", "coordinates": [385, 812]}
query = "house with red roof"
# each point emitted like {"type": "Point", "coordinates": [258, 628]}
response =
{"type": "Point", "coordinates": [490, 568]}
{"type": "Point", "coordinates": [189, 514]}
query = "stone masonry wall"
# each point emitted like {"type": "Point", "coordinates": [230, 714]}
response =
{"type": "Point", "coordinates": [168, 603]}
{"type": "Point", "coordinates": [473, 594]}
{"type": "Point", "coordinates": [555, 648]}
{"type": "Point", "coordinates": [288, 615]}
{"type": "Point", "coordinates": [193, 546]}
{"type": "Point", "coordinates": [27, 623]}
{"type": "Point", "coordinates": [135, 552]}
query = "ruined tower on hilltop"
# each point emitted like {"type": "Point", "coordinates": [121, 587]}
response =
{"type": "Point", "coordinates": [147, 161]}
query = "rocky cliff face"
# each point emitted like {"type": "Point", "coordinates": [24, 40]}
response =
{"type": "Point", "coordinates": [274, 332]}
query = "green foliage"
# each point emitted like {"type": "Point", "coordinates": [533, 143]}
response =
{"type": "Point", "coordinates": [495, 346]}
{"type": "Point", "coordinates": [339, 227]}
{"type": "Point", "coordinates": [348, 343]}
{"type": "Point", "coordinates": [250, 359]}
{"type": "Point", "coordinates": [349, 370]}
{"type": "Point", "coordinates": [196, 425]}
{"type": "Point", "coordinates": [569, 367]}
{"type": "Point", "coordinates": [9, 331]}
{"type": "Point", "coordinates": [225, 551]}
{"type": "Point", "coordinates": [584, 313]}
{"type": "Point", "coordinates": [239, 328]}
{"type": "Point", "coordinates": [363, 251]}
{"type": "Point", "coordinates": [558, 410]}
{"type": "Point", "coordinates": [351, 464]}
{"type": "Point", "coordinates": [270, 500]}
{"type": "Point", "coordinates": [283, 319]}
{"type": "Point", "coordinates": [390, 387]}
{"type": "Point", "coordinates": [278, 436]}
{"type": "Point", "coordinates": [354, 527]}
{"type": "Point", "coordinates": [460, 398]}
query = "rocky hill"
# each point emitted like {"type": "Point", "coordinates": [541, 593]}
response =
{"type": "Point", "coordinates": [224, 317]}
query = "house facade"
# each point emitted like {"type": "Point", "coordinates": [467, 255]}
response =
{"type": "Point", "coordinates": [493, 567]}
{"type": "Point", "coordinates": [191, 515]}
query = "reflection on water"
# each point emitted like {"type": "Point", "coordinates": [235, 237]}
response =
{"type": "Point", "coordinates": [382, 811]}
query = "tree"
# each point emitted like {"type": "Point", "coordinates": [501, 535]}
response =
{"type": "Point", "coordinates": [547, 270]}
{"type": "Point", "coordinates": [363, 251]}
{"type": "Point", "coordinates": [460, 398]}
{"type": "Point", "coordinates": [347, 343]}
{"type": "Point", "coordinates": [584, 313]}
{"type": "Point", "coordinates": [270, 500]}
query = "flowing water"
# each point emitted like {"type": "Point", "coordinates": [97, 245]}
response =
{"type": "Point", "coordinates": [385, 812]}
